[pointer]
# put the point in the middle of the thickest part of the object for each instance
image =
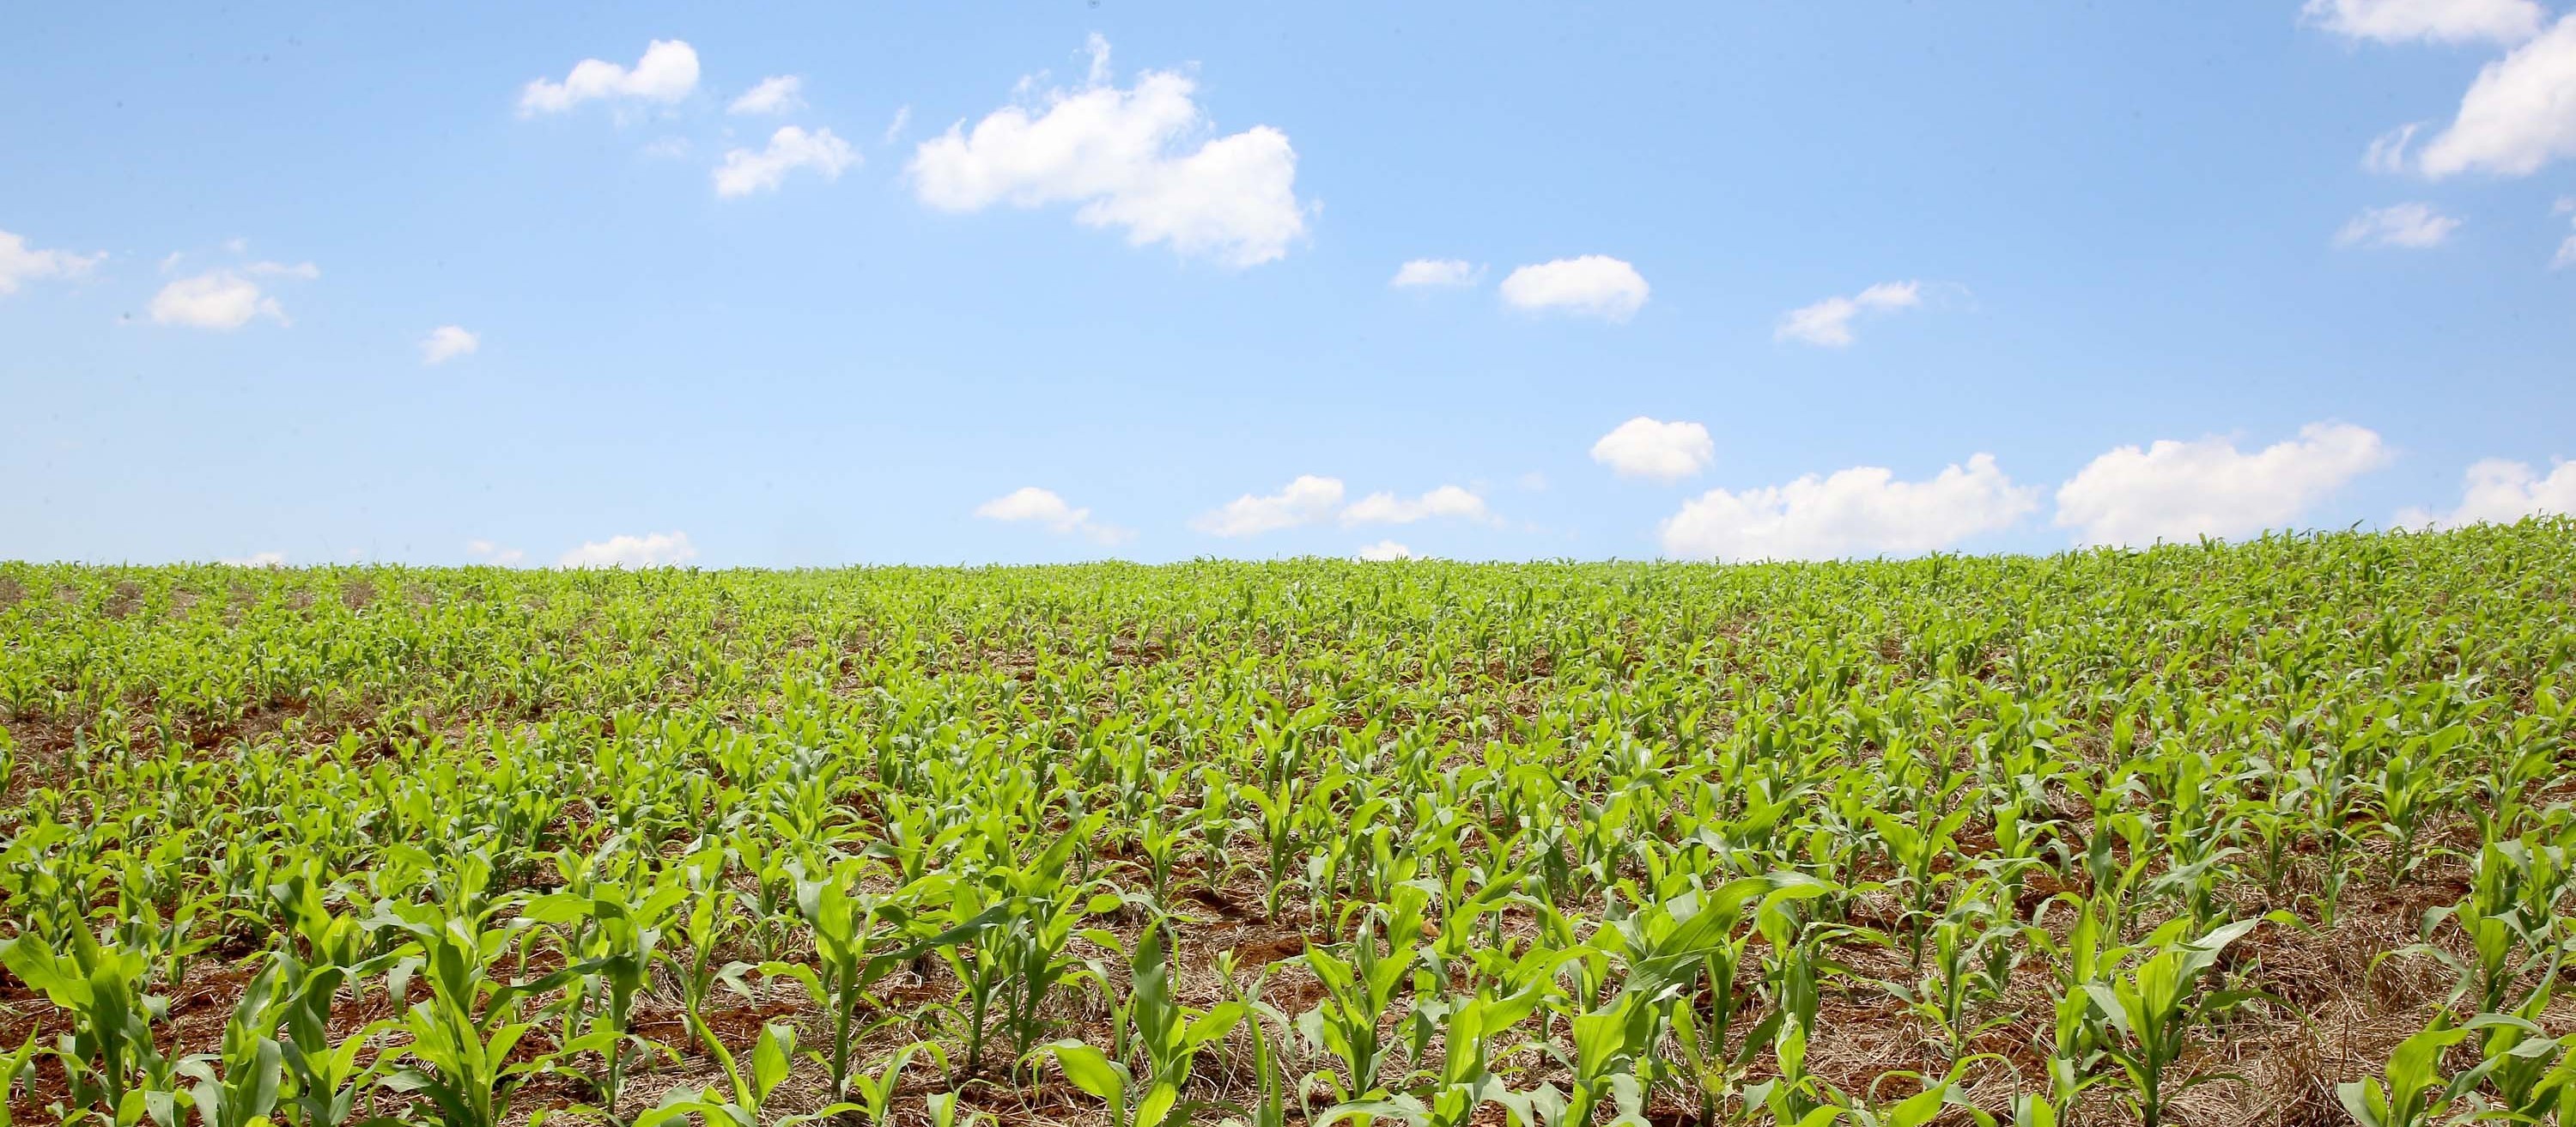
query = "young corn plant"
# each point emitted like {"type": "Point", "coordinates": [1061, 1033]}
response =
{"type": "Point", "coordinates": [109, 1059]}
{"type": "Point", "coordinates": [2411, 1091]}
{"type": "Point", "coordinates": [1169, 1037]}
{"type": "Point", "coordinates": [463, 1035]}
{"type": "Point", "coordinates": [1360, 985]}
{"type": "Point", "coordinates": [1969, 964]}
{"type": "Point", "coordinates": [873, 1093]}
{"type": "Point", "coordinates": [1025, 918]}
{"type": "Point", "coordinates": [1915, 850]}
{"type": "Point", "coordinates": [859, 938]}
{"type": "Point", "coordinates": [18, 1069]}
{"type": "Point", "coordinates": [323, 952]}
{"type": "Point", "coordinates": [1166, 1034]}
{"type": "Point", "coordinates": [2152, 1010]}
{"type": "Point", "coordinates": [747, 1091]}
{"type": "Point", "coordinates": [619, 945]}
{"type": "Point", "coordinates": [237, 1086]}
{"type": "Point", "coordinates": [1274, 1039]}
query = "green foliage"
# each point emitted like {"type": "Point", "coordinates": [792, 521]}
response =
{"type": "Point", "coordinates": [1304, 841]}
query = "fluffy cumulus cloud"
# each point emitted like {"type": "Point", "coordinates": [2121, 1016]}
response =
{"type": "Point", "coordinates": [1828, 322]}
{"type": "Point", "coordinates": [1862, 511]}
{"type": "Point", "coordinates": [485, 551]}
{"type": "Point", "coordinates": [2413, 226]}
{"type": "Point", "coordinates": [2498, 491]}
{"type": "Point", "coordinates": [1650, 448]}
{"type": "Point", "coordinates": [666, 74]}
{"type": "Point", "coordinates": [1594, 285]}
{"type": "Point", "coordinates": [1434, 272]}
{"type": "Point", "coordinates": [256, 559]}
{"type": "Point", "coordinates": [654, 549]}
{"type": "Point", "coordinates": [2181, 491]}
{"type": "Point", "coordinates": [447, 342]}
{"type": "Point", "coordinates": [221, 299]}
{"type": "Point", "coordinates": [1388, 508]}
{"type": "Point", "coordinates": [1140, 159]}
{"type": "Point", "coordinates": [2438, 21]}
{"type": "Point", "coordinates": [1384, 551]}
{"type": "Point", "coordinates": [1032, 505]}
{"type": "Point", "coordinates": [2520, 114]}
{"type": "Point", "coordinates": [776, 94]}
{"type": "Point", "coordinates": [19, 264]}
{"type": "Point", "coordinates": [1307, 500]}
{"type": "Point", "coordinates": [746, 171]}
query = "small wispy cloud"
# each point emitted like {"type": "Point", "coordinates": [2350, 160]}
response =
{"type": "Point", "coordinates": [447, 342]}
{"type": "Point", "coordinates": [776, 94]}
{"type": "Point", "coordinates": [653, 549]}
{"type": "Point", "coordinates": [1434, 272]}
{"type": "Point", "coordinates": [2412, 226]}
{"type": "Point", "coordinates": [746, 171]}
{"type": "Point", "coordinates": [1043, 507]}
{"type": "Point", "coordinates": [1828, 323]}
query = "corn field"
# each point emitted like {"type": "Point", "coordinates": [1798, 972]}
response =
{"type": "Point", "coordinates": [2274, 832]}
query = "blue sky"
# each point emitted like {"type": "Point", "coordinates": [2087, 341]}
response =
{"type": "Point", "coordinates": [1881, 279]}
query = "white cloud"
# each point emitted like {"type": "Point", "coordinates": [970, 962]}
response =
{"type": "Point", "coordinates": [894, 129]}
{"type": "Point", "coordinates": [775, 94]}
{"type": "Point", "coordinates": [2566, 255]}
{"type": "Point", "coordinates": [1043, 506]}
{"type": "Point", "coordinates": [256, 559]}
{"type": "Point", "coordinates": [2440, 21]}
{"type": "Point", "coordinates": [2499, 491]}
{"type": "Point", "coordinates": [1434, 272]}
{"type": "Point", "coordinates": [304, 270]}
{"type": "Point", "coordinates": [2520, 114]}
{"type": "Point", "coordinates": [1828, 322]}
{"type": "Point", "coordinates": [19, 264]}
{"type": "Point", "coordinates": [2414, 226]}
{"type": "Point", "coordinates": [1133, 159]}
{"type": "Point", "coordinates": [744, 171]}
{"type": "Point", "coordinates": [1305, 501]}
{"type": "Point", "coordinates": [666, 74]}
{"type": "Point", "coordinates": [219, 299]}
{"type": "Point", "coordinates": [496, 555]}
{"type": "Point", "coordinates": [447, 342]}
{"type": "Point", "coordinates": [1594, 285]}
{"type": "Point", "coordinates": [2387, 152]}
{"type": "Point", "coordinates": [1648, 448]}
{"type": "Point", "coordinates": [2180, 491]}
{"type": "Point", "coordinates": [1859, 511]}
{"type": "Point", "coordinates": [667, 148]}
{"type": "Point", "coordinates": [1313, 500]}
{"type": "Point", "coordinates": [1384, 551]}
{"type": "Point", "coordinates": [657, 549]}
{"type": "Point", "coordinates": [1445, 501]}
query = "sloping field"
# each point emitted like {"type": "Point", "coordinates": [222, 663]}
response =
{"type": "Point", "coordinates": [2194, 835]}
